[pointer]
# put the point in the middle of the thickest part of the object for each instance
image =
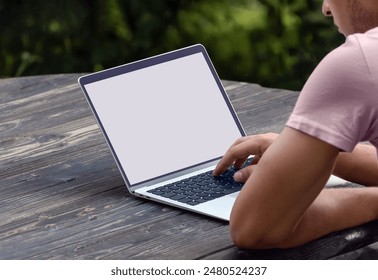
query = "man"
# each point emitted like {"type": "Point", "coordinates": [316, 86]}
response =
{"type": "Point", "coordinates": [283, 202]}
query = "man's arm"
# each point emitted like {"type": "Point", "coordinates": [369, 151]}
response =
{"type": "Point", "coordinates": [360, 166]}
{"type": "Point", "coordinates": [280, 205]}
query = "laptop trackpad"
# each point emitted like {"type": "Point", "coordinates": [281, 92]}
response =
{"type": "Point", "coordinates": [220, 207]}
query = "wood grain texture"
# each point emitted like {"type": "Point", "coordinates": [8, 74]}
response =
{"type": "Point", "coordinates": [62, 196]}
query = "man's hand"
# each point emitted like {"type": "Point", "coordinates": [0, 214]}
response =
{"type": "Point", "coordinates": [238, 153]}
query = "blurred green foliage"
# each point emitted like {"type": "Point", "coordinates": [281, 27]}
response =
{"type": "Point", "coordinates": [274, 43]}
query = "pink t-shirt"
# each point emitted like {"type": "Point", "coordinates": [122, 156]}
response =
{"type": "Point", "coordinates": [339, 102]}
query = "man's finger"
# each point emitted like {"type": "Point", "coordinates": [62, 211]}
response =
{"type": "Point", "coordinates": [236, 154]}
{"type": "Point", "coordinates": [243, 174]}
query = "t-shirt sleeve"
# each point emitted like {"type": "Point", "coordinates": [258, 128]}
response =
{"type": "Point", "coordinates": [334, 103]}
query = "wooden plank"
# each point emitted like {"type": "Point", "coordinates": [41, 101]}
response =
{"type": "Point", "coordinates": [259, 109]}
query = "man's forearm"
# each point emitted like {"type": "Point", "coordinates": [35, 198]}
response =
{"type": "Point", "coordinates": [360, 166]}
{"type": "Point", "coordinates": [334, 210]}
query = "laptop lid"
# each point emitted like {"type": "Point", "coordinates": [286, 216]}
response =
{"type": "Point", "coordinates": [163, 116]}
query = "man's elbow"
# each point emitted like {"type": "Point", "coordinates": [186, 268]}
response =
{"type": "Point", "coordinates": [251, 236]}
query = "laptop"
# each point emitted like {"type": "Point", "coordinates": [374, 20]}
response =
{"type": "Point", "coordinates": [168, 121]}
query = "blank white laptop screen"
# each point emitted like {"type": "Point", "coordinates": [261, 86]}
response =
{"type": "Point", "coordinates": [164, 118]}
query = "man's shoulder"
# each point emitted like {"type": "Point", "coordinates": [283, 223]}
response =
{"type": "Point", "coordinates": [353, 61]}
{"type": "Point", "coordinates": [368, 44]}
{"type": "Point", "coordinates": [358, 48]}
{"type": "Point", "coordinates": [349, 52]}
{"type": "Point", "coordinates": [351, 70]}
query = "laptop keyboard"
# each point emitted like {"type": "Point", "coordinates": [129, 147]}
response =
{"type": "Point", "coordinates": [200, 188]}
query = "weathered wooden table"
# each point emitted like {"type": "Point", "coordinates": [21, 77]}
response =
{"type": "Point", "coordinates": [62, 197]}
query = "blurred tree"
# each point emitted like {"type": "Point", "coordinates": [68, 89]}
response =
{"type": "Point", "coordinates": [274, 43]}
